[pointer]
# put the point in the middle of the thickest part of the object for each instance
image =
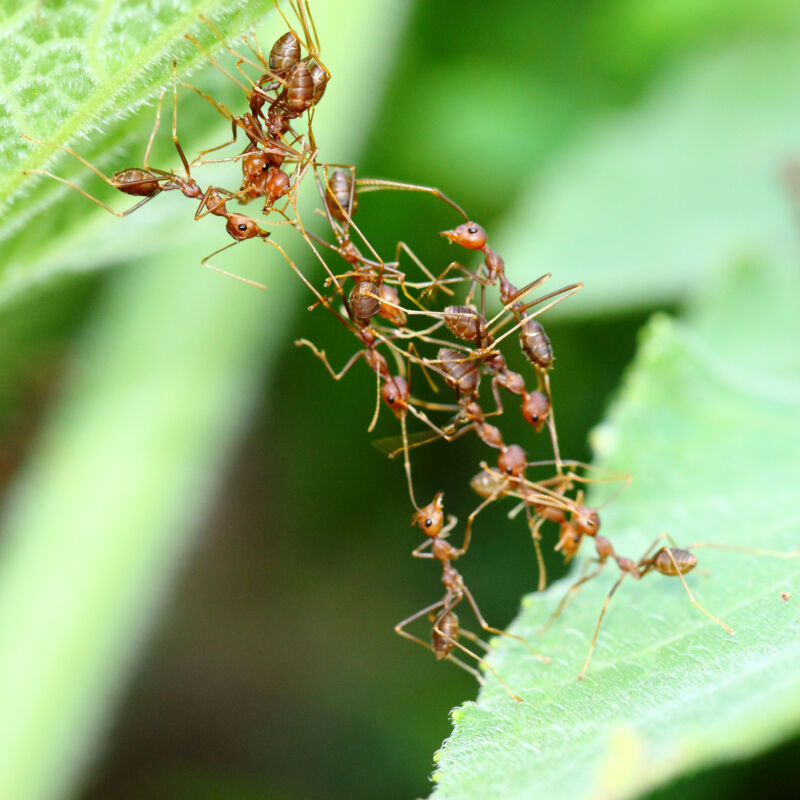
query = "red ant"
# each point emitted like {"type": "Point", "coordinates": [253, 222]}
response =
{"type": "Point", "coordinates": [670, 561]}
{"type": "Point", "coordinates": [430, 519]}
{"type": "Point", "coordinates": [148, 182]}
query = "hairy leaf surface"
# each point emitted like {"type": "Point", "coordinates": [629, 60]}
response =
{"type": "Point", "coordinates": [707, 425]}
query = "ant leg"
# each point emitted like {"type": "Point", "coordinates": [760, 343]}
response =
{"type": "Point", "coordinates": [235, 53]}
{"type": "Point", "coordinates": [498, 492]}
{"type": "Point", "coordinates": [320, 354]}
{"type": "Point", "coordinates": [418, 359]}
{"type": "Point", "coordinates": [74, 155]}
{"type": "Point", "coordinates": [155, 129]}
{"type": "Point", "coordinates": [417, 551]}
{"type": "Point", "coordinates": [402, 246]}
{"type": "Point", "coordinates": [376, 185]}
{"type": "Point", "coordinates": [533, 527]}
{"type": "Point", "coordinates": [562, 294]}
{"type": "Point", "coordinates": [399, 629]}
{"type": "Point", "coordinates": [496, 631]}
{"type": "Point", "coordinates": [205, 263]}
{"type": "Point", "coordinates": [497, 401]}
{"type": "Point", "coordinates": [377, 412]}
{"type": "Point", "coordinates": [91, 197]}
{"type": "Point", "coordinates": [407, 461]}
{"type": "Point", "coordinates": [472, 671]}
{"type": "Point", "coordinates": [322, 300]}
{"type": "Point", "coordinates": [569, 595]}
{"type": "Point", "coordinates": [473, 637]}
{"type": "Point", "coordinates": [175, 120]}
{"type": "Point", "coordinates": [529, 287]}
{"type": "Point", "coordinates": [485, 664]}
{"type": "Point", "coordinates": [551, 425]}
{"type": "Point", "coordinates": [755, 551]}
{"type": "Point", "coordinates": [215, 63]}
{"type": "Point", "coordinates": [203, 209]}
{"type": "Point", "coordinates": [691, 596]}
{"type": "Point", "coordinates": [599, 622]}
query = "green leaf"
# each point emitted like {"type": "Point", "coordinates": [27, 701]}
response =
{"type": "Point", "coordinates": [652, 202]}
{"type": "Point", "coordinates": [707, 424]}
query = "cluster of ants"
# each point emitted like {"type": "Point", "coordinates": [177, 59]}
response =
{"type": "Point", "coordinates": [375, 300]}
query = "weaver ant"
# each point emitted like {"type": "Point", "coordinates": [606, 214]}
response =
{"type": "Point", "coordinates": [671, 561]}
{"type": "Point", "coordinates": [430, 520]}
{"type": "Point", "coordinates": [148, 182]}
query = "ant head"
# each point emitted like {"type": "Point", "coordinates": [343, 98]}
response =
{"type": "Point", "coordinates": [395, 394]}
{"type": "Point", "coordinates": [586, 520]}
{"type": "Point", "coordinates": [673, 561]}
{"type": "Point", "coordinates": [535, 408]}
{"type": "Point", "coordinates": [469, 235]}
{"type": "Point", "coordinates": [254, 164]}
{"type": "Point", "coordinates": [512, 461]}
{"type": "Point", "coordinates": [241, 227]}
{"type": "Point", "coordinates": [430, 518]}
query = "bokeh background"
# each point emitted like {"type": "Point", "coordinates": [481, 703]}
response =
{"type": "Point", "coordinates": [269, 667]}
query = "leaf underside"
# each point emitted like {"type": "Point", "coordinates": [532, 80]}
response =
{"type": "Point", "coordinates": [707, 424]}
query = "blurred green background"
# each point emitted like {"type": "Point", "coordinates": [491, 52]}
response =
{"type": "Point", "coordinates": [273, 670]}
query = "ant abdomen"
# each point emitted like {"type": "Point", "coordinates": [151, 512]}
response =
{"type": "Point", "coordinates": [339, 193]}
{"type": "Point", "coordinates": [536, 345]}
{"type": "Point", "coordinates": [461, 374]}
{"type": "Point", "coordinates": [299, 89]}
{"type": "Point", "coordinates": [444, 634]}
{"type": "Point", "coordinates": [364, 300]}
{"type": "Point", "coordinates": [320, 76]}
{"type": "Point", "coordinates": [673, 561]}
{"type": "Point", "coordinates": [467, 324]}
{"type": "Point", "coordinates": [137, 182]}
{"type": "Point", "coordinates": [285, 53]}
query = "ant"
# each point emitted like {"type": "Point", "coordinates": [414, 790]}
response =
{"type": "Point", "coordinates": [147, 182]}
{"type": "Point", "coordinates": [671, 561]}
{"type": "Point", "coordinates": [339, 192]}
{"type": "Point", "coordinates": [430, 520]}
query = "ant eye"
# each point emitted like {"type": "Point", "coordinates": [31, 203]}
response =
{"type": "Point", "coordinates": [428, 523]}
{"type": "Point", "coordinates": [390, 399]}
{"type": "Point", "coordinates": [508, 470]}
{"type": "Point", "coordinates": [473, 229]}
{"type": "Point", "coordinates": [241, 226]}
